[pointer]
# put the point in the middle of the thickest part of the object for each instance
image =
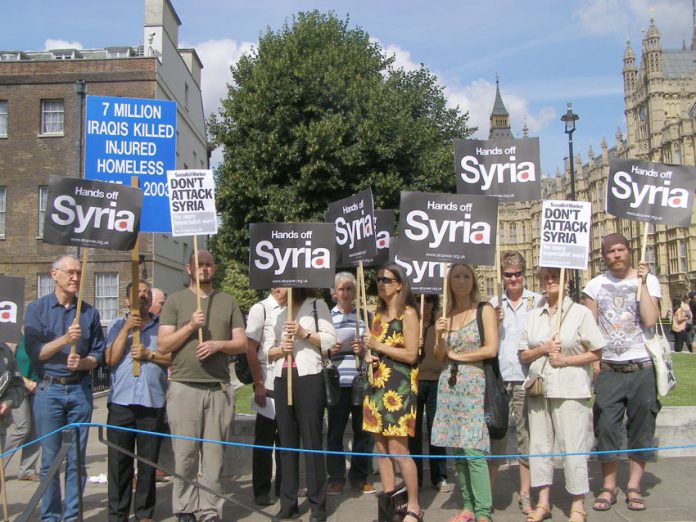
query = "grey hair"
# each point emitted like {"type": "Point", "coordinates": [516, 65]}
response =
{"type": "Point", "coordinates": [344, 276]}
{"type": "Point", "coordinates": [59, 259]}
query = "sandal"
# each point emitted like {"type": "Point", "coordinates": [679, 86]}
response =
{"type": "Point", "coordinates": [539, 513]}
{"type": "Point", "coordinates": [525, 504]}
{"type": "Point", "coordinates": [577, 516]}
{"type": "Point", "coordinates": [604, 504]}
{"type": "Point", "coordinates": [462, 516]}
{"type": "Point", "coordinates": [417, 516]}
{"type": "Point", "coordinates": [636, 503]}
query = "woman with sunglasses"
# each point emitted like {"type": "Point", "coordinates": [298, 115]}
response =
{"type": "Point", "coordinates": [389, 407]}
{"type": "Point", "coordinates": [459, 421]}
{"type": "Point", "coordinates": [562, 413]}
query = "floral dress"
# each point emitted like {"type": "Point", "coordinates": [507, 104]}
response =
{"type": "Point", "coordinates": [389, 406]}
{"type": "Point", "coordinates": [459, 420]}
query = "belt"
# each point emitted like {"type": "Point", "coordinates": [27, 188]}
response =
{"type": "Point", "coordinates": [626, 367]}
{"type": "Point", "coordinates": [60, 380]}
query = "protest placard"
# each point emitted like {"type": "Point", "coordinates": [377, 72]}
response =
{"type": "Point", "coordinates": [508, 169]}
{"type": "Point", "coordinates": [384, 227]}
{"type": "Point", "coordinates": [127, 137]}
{"type": "Point", "coordinates": [192, 202]}
{"type": "Point", "coordinates": [292, 255]}
{"type": "Point", "coordinates": [565, 234]}
{"type": "Point", "coordinates": [652, 192]}
{"type": "Point", "coordinates": [355, 228]}
{"type": "Point", "coordinates": [453, 228]}
{"type": "Point", "coordinates": [92, 214]}
{"type": "Point", "coordinates": [425, 277]}
{"type": "Point", "coordinates": [11, 308]}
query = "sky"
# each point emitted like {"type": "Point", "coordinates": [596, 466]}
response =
{"type": "Point", "coordinates": [546, 53]}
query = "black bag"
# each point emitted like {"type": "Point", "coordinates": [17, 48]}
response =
{"type": "Point", "coordinates": [392, 505]}
{"type": "Point", "coordinates": [332, 379]}
{"type": "Point", "coordinates": [495, 402]}
{"type": "Point", "coordinates": [241, 369]}
{"type": "Point", "coordinates": [358, 390]}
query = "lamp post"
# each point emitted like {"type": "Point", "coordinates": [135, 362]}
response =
{"type": "Point", "coordinates": [569, 118]}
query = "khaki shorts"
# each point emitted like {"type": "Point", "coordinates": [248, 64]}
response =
{"type": "Point", "coordinates": [518, 412]}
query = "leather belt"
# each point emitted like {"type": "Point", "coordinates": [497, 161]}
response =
{"type": "Point", "coordinates": [60, 380]}
{"type": "Point", "coordinates": [626, 367]}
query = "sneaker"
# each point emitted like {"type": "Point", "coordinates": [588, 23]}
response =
{"type": "Point", "coordinates": [364, 487]}
{"type": "Point", "coordinates": [335, 489]}
{"type": "Point", "coordinates": [444, 487]}
{"type": "Point", "coordinates": [264, 500]}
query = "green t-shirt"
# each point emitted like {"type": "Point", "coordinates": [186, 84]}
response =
{"type": "Point", "coordinates": [220, 319]}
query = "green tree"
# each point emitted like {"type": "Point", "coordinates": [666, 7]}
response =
{"type": "Point", "coordinates": [317, 112]}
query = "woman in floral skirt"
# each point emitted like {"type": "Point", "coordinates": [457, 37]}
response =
{"type": "Point", "coordinates": [459, 420]}
{"type": "Point", "coordinates": [389, 408]}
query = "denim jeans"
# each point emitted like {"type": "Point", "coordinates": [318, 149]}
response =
{"type": "Point", "coordinates": [56, 405]}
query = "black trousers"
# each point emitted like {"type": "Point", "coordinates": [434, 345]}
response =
{"type": "Point", "coordinates": [120, 466]}
{"type": "Point", "coordinates": [265, 434]}
{"type": "Point", "coordinates": [302, 422]}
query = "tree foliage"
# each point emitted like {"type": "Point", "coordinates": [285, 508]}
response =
{"type": "Point", "coordinates": [317, 112]}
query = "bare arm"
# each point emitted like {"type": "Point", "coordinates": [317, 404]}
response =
{"type": "Point", "coordinates": [409, 355]}
{"type": "Point", "coordinates": [649, 307]}
{"type": "Point", "coordinates": [490, 346]}
{"type": "Point", "coordinates": [114, 352]}
{"type": "Point", "coordinates": [169, 339]}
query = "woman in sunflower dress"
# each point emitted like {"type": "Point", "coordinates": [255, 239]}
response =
{"type": "Point", "coordinates": [459, 420]}
{"type": "Point", "coordinates": [389, 407]}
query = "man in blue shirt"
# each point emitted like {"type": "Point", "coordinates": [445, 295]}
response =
{"type": "Point", "coordinates": [136, 403]}
{"type": "Point", "coordinates": [64, 392]}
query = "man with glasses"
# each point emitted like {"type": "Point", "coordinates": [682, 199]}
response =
{"type": "Point", "coordinates": [512, 313]}
{"type": "Point", "coordinates": [64, 391]}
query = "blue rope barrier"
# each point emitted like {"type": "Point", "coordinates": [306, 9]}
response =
{"type": "Point", "coordinates": [342, 453]}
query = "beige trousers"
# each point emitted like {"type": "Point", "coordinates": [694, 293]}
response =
{"type": "Point", "coordinates": [203, 412]}
{"type": "Point", "coordinates": [559, 426]}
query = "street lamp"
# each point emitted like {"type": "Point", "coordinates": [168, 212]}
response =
{"type": "Point", "coordinates": [569, 118]}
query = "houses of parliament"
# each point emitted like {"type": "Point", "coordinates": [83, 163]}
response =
{"type": "Point", "coordinates": [660, 109]}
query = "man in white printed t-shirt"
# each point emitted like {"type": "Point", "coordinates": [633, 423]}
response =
{"type": "Point", "coordinates": [263, 348]}
{"type": "Point", "coordinates": [625, 384]}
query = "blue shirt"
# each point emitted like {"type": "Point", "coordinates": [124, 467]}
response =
{"type": "Point", "coordinates": [46, 319]}
{"type": "Point", "coordinates": [149, 388]}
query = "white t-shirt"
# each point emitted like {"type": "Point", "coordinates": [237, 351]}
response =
{"type": "Point", "coordinates": [261, 328]}
{"type": "Point", "coordinates": [618, 316]}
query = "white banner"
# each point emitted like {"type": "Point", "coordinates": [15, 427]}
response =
{"type": "Point", "coordinates": [565, 234]}
{"type": "Point", "coordinates": [192, 202]}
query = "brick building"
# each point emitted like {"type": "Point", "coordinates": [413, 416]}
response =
{"type": "Point", "coordinates": [41, 133]}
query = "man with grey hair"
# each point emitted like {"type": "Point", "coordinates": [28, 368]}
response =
{"type": "Point", "coordinates": [158, 299]}
{"type": "Point", "coordinates": [343, 356]}
{"type": "Point", "coordinates": [64, 392]}
{"type": "Point", "coordinates": [512, 313]}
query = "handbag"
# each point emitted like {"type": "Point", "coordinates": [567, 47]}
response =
{"type": "Point", "coordinates": [392, 505]}
{"type": "Point", "coordinates": [332, 379]}
{"type": "Point", "coordinates": [495, 401]}
{"type": "Point", "coordinates": [241, 369]}
{"type": "Point", "coordinates": [661, 354]}
{"type": "Point", "coordinates": [536, 387]}
{"type": "Point", "coordinates": [357, 392]}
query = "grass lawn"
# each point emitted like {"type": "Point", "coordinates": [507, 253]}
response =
{"type": "Point", "coordinates": [243, 399]}
{"type": "Point", "coordinates": [685, 370]}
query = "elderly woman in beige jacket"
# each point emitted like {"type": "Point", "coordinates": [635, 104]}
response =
{"type": "Point", "coordinates": [560, 417]}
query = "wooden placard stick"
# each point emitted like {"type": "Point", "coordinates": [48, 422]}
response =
{"type": "Point", "coordinates": [559, 305]}
{"type": "Point", "coordinates": [135, 290]}
{"type": "Point", "coordinates": [422, 309]}
{"type": "Point", "coordinates": [5, 511]}
{"type": "Point", "coordinates": [497, 268]}
{"type": "Point", "coordinates": [288, 357]}
{"type": "Point", "coordinates": [198, 284]}
{"type": "Point", "coordinates": [357, 310]}
{"type": "Point", "coordinates": [73, 346]}
{"type": "Point", "coordinates": [363, 296]}
{"type": "Point", "coordinates": [643, 247]}
{"type": "Point", "coordinates": [444, 292]}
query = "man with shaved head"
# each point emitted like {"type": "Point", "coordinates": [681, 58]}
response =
{"type": "Point", "coordinates": [200, 401]}
{"type": "Point", "coordinates": [64, 390]}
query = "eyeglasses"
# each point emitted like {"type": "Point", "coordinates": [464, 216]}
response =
{"type": "Point", "coordinates": [386, 280]}
{"type": "Point", "coordinates": [71, 273]}
{"type": "Point", "coordinates": [510, 275]}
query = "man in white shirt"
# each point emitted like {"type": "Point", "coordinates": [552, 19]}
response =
{"type": "Point", "coordinates": [512, 313]}
{"type": "Point", "coordinates": [261, 339]}
{"type": "Point", "coordinates": [625, 385]}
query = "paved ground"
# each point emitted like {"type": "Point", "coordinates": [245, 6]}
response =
{"type": "Point", "coordinates": [668, 485]}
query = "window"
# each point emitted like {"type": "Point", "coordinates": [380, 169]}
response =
{"type": "Point", "coordinates": [490, 286]}
{"type": "Point", "coordinates": [44, 285]}
{"type": "Point", "coordinates": [186, 95]}
{"type": "Point", "coordinates": [3, 118]}
{"type": "Point", "coordinates": [43, 197]}
{"type": "Point", "coordinates": [52, 116]}
{"type": "Point", "coordinates": [106, 295]}
{"type": "Point", "coordinates": [682, 255]}
{"type": "Point", "coordinates": [3, 193]}
{"type": "Point", "coordinates": [650, 258]}
{"type": "Point", "coordinates": [513, 233]}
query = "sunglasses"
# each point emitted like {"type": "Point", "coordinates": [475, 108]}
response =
{"type": "Point", "coordinates": [510, 275]}
{"type": "Point", "coordinates": [386, 280]}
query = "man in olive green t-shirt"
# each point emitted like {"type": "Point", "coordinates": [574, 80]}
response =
{"type": "Point", "coordinates": [200, 400]}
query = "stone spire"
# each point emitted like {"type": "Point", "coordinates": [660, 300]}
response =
{"type": "Point", "coordinates": [500, 118]}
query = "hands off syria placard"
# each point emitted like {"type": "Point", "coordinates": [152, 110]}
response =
{"type": "Point", "coordinates": [565, 234]}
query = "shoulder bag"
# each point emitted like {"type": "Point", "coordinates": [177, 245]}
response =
{"type": "Point", "coordinates": [332, 379]}
{"type": "Point", "coordinates": [495, 402]}
{"type": "Point", "coordinates": [661, 354]}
